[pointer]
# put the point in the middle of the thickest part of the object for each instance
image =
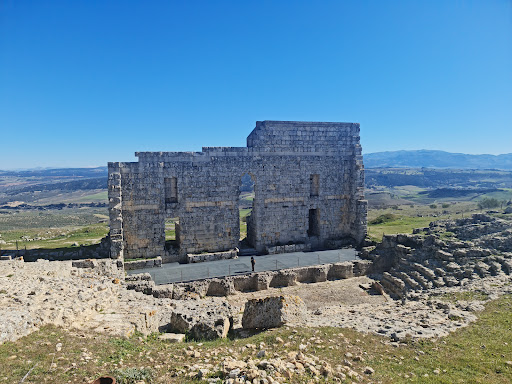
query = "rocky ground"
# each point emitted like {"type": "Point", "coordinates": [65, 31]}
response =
{"type": "Point", "coordinates": [470, 259]}
{"type": "Point", "coordinates": [43, 292]}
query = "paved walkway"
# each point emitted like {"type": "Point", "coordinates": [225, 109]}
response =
{"type": "Point", "coordinates": [175, 272]}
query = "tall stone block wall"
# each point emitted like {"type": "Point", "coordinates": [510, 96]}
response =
{"type": "Point", "coordinates": [115, 210]}
{"type": "Point", "coordinates": [309, 181]}
{"type": "Point", "coordinates": [143, 210]}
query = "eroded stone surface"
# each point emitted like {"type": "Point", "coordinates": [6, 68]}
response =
{"type": "Point", "coordinates": [207, 319]}
{"type": "Point", "coordinates": [273, 312]}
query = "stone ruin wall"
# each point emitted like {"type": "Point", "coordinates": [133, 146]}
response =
{"type": "Point", "coordinates": [304, 174]}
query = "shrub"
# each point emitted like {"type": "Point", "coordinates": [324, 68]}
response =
{"type": "Point", "coordinates": [382, 219]}
{"type": "Point", "coordinates": [488, 202]}
{"type": "Point", "coordinates": [433, 206]}
{"type": "Point", "coordinates": [133, 375]}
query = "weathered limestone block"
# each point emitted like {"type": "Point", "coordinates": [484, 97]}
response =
{"type": "Point", "coordinates": [272, 312]}
{"type": "Point", "coordinates": [190, 289]}
{"type": "Point", "coordinates": [213, 256]}
{"type": "Point", "coordinates": [319, 273]}
{"type": "Point", "coordinates": [284, 278]}
{"type": "Point", "coordinates": [140, 264]}
{"type": "Point", "coordinates": [172, 337]}
{"type": "Point", "coordinates": [148, 320]}
{"type": "Point", "coordinates": [138, 277]}
{"type": "Point", "coordinates": [343, 270]}
{"type": "Point", "coordinates": [245, 283]}
{"type": "Point", "coordinates": [144, 286]}
{"type": "Point", "coordinates": [202, 319]}
{"type": "Point", "coordinates": [221, 287]}
{"type": "Point", "coordinates": [362, 267]}
{"type": "Point", "coordinates": [263, 281]}
{"type": "Point", "coordinates": [163, 291]}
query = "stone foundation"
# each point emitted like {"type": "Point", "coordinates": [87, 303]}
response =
{"type": "Point", "coordinates": [259, 281]}
{"type": "Point", "coordinates": [139, 264]}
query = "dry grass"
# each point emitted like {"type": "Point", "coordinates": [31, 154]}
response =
{"type": "Point", "coordinates": [476, 354]}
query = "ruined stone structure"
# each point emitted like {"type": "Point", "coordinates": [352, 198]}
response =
{"type": "Point", "coordinates": [308, 184]}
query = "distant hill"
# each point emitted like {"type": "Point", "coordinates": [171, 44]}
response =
{"type": "Point", "coordinates": [32, 184]}
{"type": "Point", "coordinates": [58, 172]}
{"type": "Point", "coordinates": [436, 159]}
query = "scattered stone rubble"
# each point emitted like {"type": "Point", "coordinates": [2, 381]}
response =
{"type": "Point", "coordinates": [415, 270]}
{"type": "Point", "coordinates": [81, 294]}
{"type": "Point", "coordinates": [278, 368]}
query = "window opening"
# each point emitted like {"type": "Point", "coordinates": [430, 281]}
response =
{"type": "Point", "coordinates": [245, 207]}
{"type": "Point", "coordinates": [172, 232]}
{"type": "Point", "coordinates": [171, 190]}
{"type": "Point", "coordinates": [314, 184]}
{"type": "Point", "coordinates": [314, 224]}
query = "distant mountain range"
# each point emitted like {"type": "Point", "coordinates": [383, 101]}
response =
{"type": "Point", "coordinates": [422, 158]}
{"type": "Point", "coordinates": [436, 159]}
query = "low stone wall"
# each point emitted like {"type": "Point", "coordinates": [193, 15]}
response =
{"type": "Point", "coordinates": [288, 248]}
{"type": "Point", "coordinates": [79, 252]}
{"type": "Point", "coordinates": [146, 263]}
{"type": "Point", "coordinates": [259, 281]}
{"type": "Point", "coordinates": [200, 257]}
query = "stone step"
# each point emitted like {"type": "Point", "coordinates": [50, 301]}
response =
{"type": "Point", "coordinates": [438, 282]}
{"type": "Point", "coordinates": [393, 284]}
{"type": "Point", "coordinates": [506, 265]}
{"type": "Point", "coordinates": [248, 252]}
{"type": "Point", "coordinates": [410, 283]}
{"type": "Point", "coordinates": [403, 265]}
{"type": "Point", "coordinates": [451, 281]}
{"type": "Point", "coordinates": [427, 273]}
{"type": "Point", "coordinates": [424, 283]}
{"type": "Point", "coordinates": [482, 269]}
{"type": "Point", "coordinates": [495, 267]}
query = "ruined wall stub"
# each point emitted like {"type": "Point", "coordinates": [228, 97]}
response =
{"type": "Point", "coordinates": [309, 186]}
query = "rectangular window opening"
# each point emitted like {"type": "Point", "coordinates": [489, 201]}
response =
{"type": "Point", "coordinates": [314, 223]}
{"type": "Point", "coordinates": [314, 182]}
{"type": "Point", "coordinates": [172, 232]}
{"type": "Point", "coordinates": [171, 190]}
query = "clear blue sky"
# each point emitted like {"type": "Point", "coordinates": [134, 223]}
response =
{"type": "Point", "coordinates": [87, 82]}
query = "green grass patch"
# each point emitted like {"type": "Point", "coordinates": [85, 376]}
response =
{"type": "Point", "coordinates": [474, 354]}
{"type": "Point", "coordinates": [401, 224]}
{"type": "Point", "coordinates": [244, 212]}
{"type": "Point", "coordinates": [382, 219]}
{"type": "Point", "coordinates": [52, 238]}
{"type": "Point", "coordinates": [100, 197]}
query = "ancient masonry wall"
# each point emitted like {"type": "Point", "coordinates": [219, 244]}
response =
{"type": "Point", "coordinates": [258, 281]}
{"type": "Point", "coordinates": [309, 182]}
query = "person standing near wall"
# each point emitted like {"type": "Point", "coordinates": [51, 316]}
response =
{"type": "Point", "coordinates": [253, 263]}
